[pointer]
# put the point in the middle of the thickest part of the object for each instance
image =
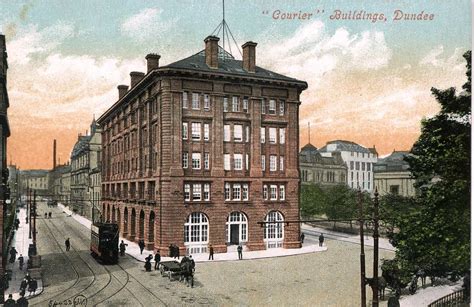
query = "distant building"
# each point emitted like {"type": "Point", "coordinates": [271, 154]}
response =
{"type": "Point", "coordinates": [85, 180]}
{"type": "Point", "coordinates": [358, 159]}
{"type": "Point", "coordinates": [36, 181]}
{"type": "Point", "coordinates": [61, 189]}
{"type": "Point", "coordinates": [392, 175]}
{"type": "Point", "coordinates": [14, 182]}
{"type": "Point", "coordinates": [316, 169]}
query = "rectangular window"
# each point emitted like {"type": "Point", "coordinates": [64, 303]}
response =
{"type": "Point", "coordinates": [357, 165]}
{"type": "Point", "coordinates": [196, 105]}
{"type": "Point", "coordinates": [206, 132]}
{"type": "Point", "coordinates": [236, 191]}
{"type": "Point", "coordinates": [247, 134]}
{"type": "Point", "coordinates": [272, 135]}
{"type": "Point", "coordinates": [245, 192]}
{"type": "Point", "coordinates": [263, 106]}
{"type": "Point", "coordinates": [227, 162]}
{"type": "Point", "coordinates": [352, 165]}
{"type": "Point", "coordinates": [282, 163]}
{"type": "Point", "coordinates": [207, 102]}
{"type": "Point", "coordinates": [282, 192]}
{"type": "Point", "coordinates": [206, 160]}
{"type": "Point", "coordinates": [282, 107]}
{"type": "Point", "coordinates": [196, 192]}
{"type": "Point", "coordinates": [368, 166]}
{"type": "Point", "coordinates": [226, 133]}
{"type": "Point", "coordinates": [273, 163]}
{"type": "Point", "coordinates": [237, 133]}
{"type": "Point", "coordinates": [262, 135]}
{"type": "Point", "coordinates": [187, 189]}
{"type": "Point", "coordinates": [247, 162]}
{"type": "Point", "coordinates": [282, 135]}
{"type": "Point", "coordinates": [207, 192]}
{"type": "Point", "coordinates": [238, 161]}
{"type": "Point", "coordinates": [226, 104]}
{"type": "Point", "coordinates": [227, 191]}
{"type": "Point", "coordinates": [235, 104]}
{"type": "Point", "coordinates": [185, 131]}
{"type": "Point", "coordinates": [265, 192]}
{"type": "Point", "coordinates": [363, 166]}
{"type": "Point", "coordinates": [245, 104]}
{"type": "Point", "coordinates": [196, 131]}
{"type": "Point", "coordinates": [185, 100]}
{"type": "Point", "coordinates": [272, 107]}
{"type": "Point", "coordinates": [196, 157]}
{"type": "Point", "coordinates": [185, 159]}
{"type": "Point", "coordinates": [263, 162]}
{"type": "Point", "coordinates": [273, 192]}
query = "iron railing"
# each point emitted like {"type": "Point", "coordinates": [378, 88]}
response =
{"type": "Point", "coordinates": [458, 298]}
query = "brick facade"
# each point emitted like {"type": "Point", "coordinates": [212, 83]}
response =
{"type": "Point", "coordinates": [146, 181]}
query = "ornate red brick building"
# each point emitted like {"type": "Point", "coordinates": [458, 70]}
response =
{"type": "Point", "coordinates": [199, 151]}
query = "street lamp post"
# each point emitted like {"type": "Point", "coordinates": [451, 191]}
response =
{"type": "Point", "coordinates": [375, 282]}
{"type": "Point", "coordinates": [362, 253]}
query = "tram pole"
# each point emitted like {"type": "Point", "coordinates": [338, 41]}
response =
{"type": "Point", "coordinates": [34, 219]}
{"type": "Point", "coordinates": [375, 284]}
{"type": "Point", "coordinates": [362, 253]}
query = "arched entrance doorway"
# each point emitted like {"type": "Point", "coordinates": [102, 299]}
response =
{"type": "Point", "coordinates": [236, 228]}
{"type": "Point", "coordinates": [196, 230]}
{"type": "Point", "coordinates": [274, 232]}
{"type": "Point", "coordinates": [141, 225]}
{"type": "Point", "coordinates": [133, 221]}
{"type": "Point", "coordinates": [151, 227]}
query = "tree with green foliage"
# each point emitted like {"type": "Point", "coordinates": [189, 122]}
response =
{"type": "Point", "coordinates": [436, 237]}
{"type": "Point", "coordinates": [341, 203]}
{"type": "Point", "coordinates": [312, 200]}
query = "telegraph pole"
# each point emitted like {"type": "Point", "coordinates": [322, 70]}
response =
{"type": "Point", "coordinates": [362, 253]}
{"type": "Point", "coordinates": [375, 284]}
{"type": "Point", "coordinates": [34, 219]}
{"type": "Point", "coordinates": [29, 213]}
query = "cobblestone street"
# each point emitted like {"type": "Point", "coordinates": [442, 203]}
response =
{"type": "Point", "coordinates": [328, 278]}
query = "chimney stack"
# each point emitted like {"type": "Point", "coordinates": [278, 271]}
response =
{"type": "Point", "coordinates": [211, 51]}
{"type": "Point", "coordinates": [135, 77]}
{"type": "Point", "coordinates": [248, 57]}
{"type": "Point", "coordinates": [122, 90]}
{"type": "Point", "coordinates": [152, 61]}
{"type": "Point", "coordinates": [54, 154]}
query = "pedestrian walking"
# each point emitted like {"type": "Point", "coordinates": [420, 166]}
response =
{"type": "Point", "coordinates": [22, 301]}
{"type": "Point", "coordinates": [23, 285]}
{"type": "Point", "coordinates": [32, 286]}
{"type": "Point", "coordinates": [211, 252]}
{"type": "Point", "coordinates": [239, 251]}
{"type": "Point", "coordinates": [21, 261]}
{"type": "Point", "coordinates": [157, 259]}
{"type": "Point", "coordinates": [49, 215]}
{"type": "Point", "coordinates": [45, 215]}
{"type": "Point", "coordinates": [321, 239]}
{"type": "Point", "coordinates": [13, 253]}
{"type": "Point", "coordinates": [141, 244]}
{"type": "Point", "coordinates": [302, 238]}
{"type": "Point", "coordinates": [148, 263]}
{"type": "Point", "coordinates": [10, 302]}
{"type": "Point", "coordinates": [122, 248]}
{"type": "Point", "coordinates": [68, 244]}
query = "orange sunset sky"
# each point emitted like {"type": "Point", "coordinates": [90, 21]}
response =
{"type": "Point", "coordinates": [368, 82]}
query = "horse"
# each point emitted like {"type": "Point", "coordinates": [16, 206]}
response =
{"type": "Point", "coordinates": [187, 273]}
{"type": "Point", "coordinates": [382, 284]}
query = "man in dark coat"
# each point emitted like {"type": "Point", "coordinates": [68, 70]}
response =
{"type": "Point", "coordinates": [141, 244]}
{"type": "Point", "coordinates": [68, 244]}
{"type": "Point", "coordinates": [10, 302]}
{"type": "Point", "coordinates": [239, 251]}
{"type": "Point", "coordinates": [211, 252]}
{"type": "Point", "coordinates": [193, 264]}
{"type": "Point", "coordinates": [157, 259]}
{"type": "Point", "coordinates": [321, 240]}
{"type": "Point", "coordinates": [13, 253]}
{"type": "Point", "coordinates": [302, 238]}
{"type": "Point", "coordinates": [22, 301]}
{"type": "Point", "coordinates": [122, 248]}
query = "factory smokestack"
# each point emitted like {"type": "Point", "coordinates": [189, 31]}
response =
{"type": "Point", "coordinates": [54, 154]}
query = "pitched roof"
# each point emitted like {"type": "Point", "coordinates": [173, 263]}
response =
{"type": "Point", "coordinates": [227, 64]}
{"type": "Point", "coordinates": [393, 162]}
{"type": "Point", "coordinates": [342, 145]}
{"type": "Point", "coordinates": [80, 145]}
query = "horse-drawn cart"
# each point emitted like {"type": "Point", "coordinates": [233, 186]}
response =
{"type": "Point", "coordinates": [175, 269]}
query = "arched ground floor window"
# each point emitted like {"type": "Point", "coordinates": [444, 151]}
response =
{"type": "Point", "coordinates": [196, 233]}
{"type": "Point", "coordinates": [274, 232]}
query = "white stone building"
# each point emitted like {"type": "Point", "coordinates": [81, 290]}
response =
{"type": "Point", "coordinates": [359, 160]}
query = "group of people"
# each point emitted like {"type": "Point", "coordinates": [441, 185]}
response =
{"type": "Point", "coordinates": [29, 284]}
{"type": "Point", "coordinates": [321, 239]}
{"type": "Point", "coordinates": [21, 302]}
{"type": "Point", "coordinates": [148, 259]}
{"type": "Point", "coordinates": [47, 215]}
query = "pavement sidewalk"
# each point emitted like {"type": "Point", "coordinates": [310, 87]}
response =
{"type": "Point", "coordinates": [134, 251]}
{"type": "Point", "coordinates": [21, 242]}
